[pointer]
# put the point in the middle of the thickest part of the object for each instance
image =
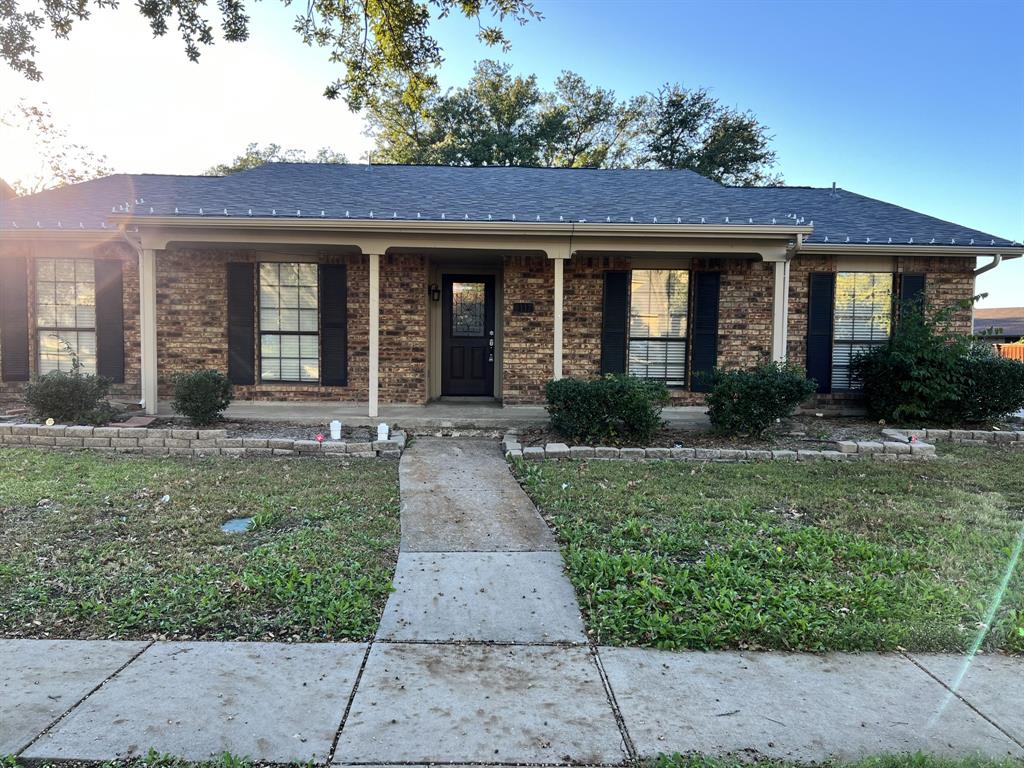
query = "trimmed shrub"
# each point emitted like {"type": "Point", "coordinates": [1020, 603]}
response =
{"type": "Point", "coordinates": [927, 373]}
{"type": "Point", "coordinates": [751, 402]}
{"type": "Point", "coordinates": [201, 395]}
{"type": "Point", "coordinates": [69, 397]}
{"type": "Point", "coordinates": [992, 386]}
{"type": "Point", "coordinates": [610, 409]}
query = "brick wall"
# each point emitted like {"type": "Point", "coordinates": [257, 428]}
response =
{"type": "Point", "coordinates": [528, 339]}
{"type": "Point", "coordinates": [192, 325]}
{"type": "Point", "coordinates": [403, 328]}
{"type": "Point", "coordinates": [129, 391]}
{"type": "Point", "coordinates": [948, 280]}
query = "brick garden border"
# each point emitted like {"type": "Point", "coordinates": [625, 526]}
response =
{"type": "Point", "coordinates": [188, 442]}
{"type": "Point", "coordinates": [963, 436]}
{"type": "Point", "coordinates": [889, 450]}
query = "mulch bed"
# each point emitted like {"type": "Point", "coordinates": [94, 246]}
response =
{"type": "Point", "coordinates": [806, 432]}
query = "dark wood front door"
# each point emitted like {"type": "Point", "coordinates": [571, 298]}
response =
{"type": "Point", "coordinates": [467, 335]}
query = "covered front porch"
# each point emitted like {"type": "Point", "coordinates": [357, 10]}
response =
{"type": "Point", "coordinates": [541, 286]}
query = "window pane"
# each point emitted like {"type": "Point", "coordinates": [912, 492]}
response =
{"type": "Point", "coordinates": [270, 369]}
{"type": "Point", "coordinates": [309, 346]}
{"type": "Point", "coordinates": [658, 360]}
{"type": "Point", "coordinates": [268, 295]}
{"type": "Point", "coordinates": [289, 346]}
{"type": "Point", "coordinates": [55, 356]}
{"type": "Point", "coordinates": [269, 320]}
{"type": "Point", "coordinates": [64, 270]}
{"type": "Point", "coordinates": [308, 321]}
{"type": "Point", "coordinates": [468, 305]}
{"type": "Point", "coordinates": [268, 274]}
{"type": "Point", "coordinates": [658, 303]}
{"type": "Point", "coordinates": [290, 369]}
{"type": "Point", "coordinates": [658, 309]}
{"type": "Point", "coordinates": [289, 274]}
{"type": "Point", "coordinates": [289, 297]}
{"type": "Point", "coordinates": [44, 270]}
{"type": "Point", "coordinates": [307, 297]}
{"type": "Point", "coordinates": [862, 320]}
{"type": "Point", "coordinates": [288, 307]}
{"type": "Point", "coordinates": [270, 345]}
{"type": "Point", "coordinates": [310, 369]}
{"type": "Point", "coordinates": [290, 320]}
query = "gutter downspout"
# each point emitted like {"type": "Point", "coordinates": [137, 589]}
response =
{"type": "Point", "coordinates": [137, 247]}
{"type": "Point", "coordinates": [997, 259]}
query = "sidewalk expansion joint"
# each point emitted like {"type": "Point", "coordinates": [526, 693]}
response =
{"type": "Point", "coordinates": [966, 702]}
{"type": "Point", "coordinates": [627, 740]}
{"type": "Point", "coordinates": [78, 703]}
{"type": "Point", "coordinates": [348, 704]}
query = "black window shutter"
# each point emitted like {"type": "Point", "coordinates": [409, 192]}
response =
{"type": "Point", "coordinates": [14, 319]}
{"type": "Point", "coordinates": [241, 324]}
{"type": "Point", "coordinates": [704, 334]}
{"type": "Point", "coordinates": [912, 291]}
{"type": "Point", "coordinates": [333, 325]}
{"type": "Point", "coordinates": [110, 320]}
{"type": "Point", "coordinates": [820, 316]}
{"type": "Point", "coordinates": [614, 318]}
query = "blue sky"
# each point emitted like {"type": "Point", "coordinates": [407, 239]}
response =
{"type": "Point", "coordinates": [919, 104]}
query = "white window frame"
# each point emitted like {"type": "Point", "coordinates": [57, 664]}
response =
{"type": "Point", "coordinates": [269, 330]}
{"type": "Point", "coordinates": [83, 304]}
{"type": "Point", "coordinates": [633, 341]}
{"type": "Point", "coordinates": [858, 343]}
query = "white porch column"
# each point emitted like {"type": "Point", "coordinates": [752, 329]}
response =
{"type": "Point", "coordinates": [559, 293]}
{"type": "Point", "coordinates": [147, 329]}
{"type": "Point", "coordinates": [374, 361]}
{"type": "Point", "coordinates": [780, 311]}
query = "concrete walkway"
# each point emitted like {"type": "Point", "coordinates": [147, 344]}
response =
{"type": "Point", "coordinates": [481, 658]}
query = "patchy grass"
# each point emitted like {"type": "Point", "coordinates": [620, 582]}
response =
{"type": "Point", "coordinates": [126, 547]}
{"type": "Point", "coordinates": [885, 761]}
{"type": "Point", "coordinates": [809, 556]}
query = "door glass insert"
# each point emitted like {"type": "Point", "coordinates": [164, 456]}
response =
{"type": "Point", "coordinates": [468, 301]}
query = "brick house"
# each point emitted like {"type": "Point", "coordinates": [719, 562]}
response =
{"type": "Point", "coordinates": [406, 284]}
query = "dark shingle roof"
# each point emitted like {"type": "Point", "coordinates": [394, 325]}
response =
{"type": "Point", "coordinates": [310, 190]}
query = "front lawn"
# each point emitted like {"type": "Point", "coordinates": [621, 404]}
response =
{"type": "Point", "coordinates": [782, 555]}
{"type": "Point", "coordinates": [129, 547]}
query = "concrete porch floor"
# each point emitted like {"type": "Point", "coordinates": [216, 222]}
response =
{"type": "Point", "coordinates": [436, 415]}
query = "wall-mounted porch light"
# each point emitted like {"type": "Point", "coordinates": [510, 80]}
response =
{"type": "Point", "coordinates": [435, 292]}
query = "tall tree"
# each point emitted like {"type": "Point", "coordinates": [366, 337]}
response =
{"type": "Point", "coordinates": [61, 161]}
{"type": "Point", "coordinates": [682, 128]}
{"type": "Point", "coordinates": [501, 119]}
{"type": "Point", "coordinates": [255, 156]}
{"type": "Point", "coordinates": [371, 39]}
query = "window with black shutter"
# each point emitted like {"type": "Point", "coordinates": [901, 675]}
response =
{"type": "Point", "coordinates": [658, 314]}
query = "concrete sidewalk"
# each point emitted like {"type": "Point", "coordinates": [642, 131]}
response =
{"type": "Point", "coordinates": [481, 658]}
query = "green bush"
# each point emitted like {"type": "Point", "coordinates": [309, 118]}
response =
{"type": "Point", "coordinates": [991, 387]}
{"type": "Point", "coordinates": [201, 395]}
{"type": "Point", "coordinates": [611, 409]}
{"type": "Point", "coordinates": [928, 373]}
{"type": "Point", "coordinates": [69, 397]}
{"type": "Point", "coordinates": [917, 375]}
{"type": "Point", "coordinates": [750, 402]}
